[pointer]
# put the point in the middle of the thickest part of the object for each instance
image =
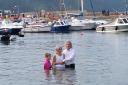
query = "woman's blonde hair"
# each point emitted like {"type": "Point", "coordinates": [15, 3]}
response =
{"type": "Point", "coordinates": [57, 48]}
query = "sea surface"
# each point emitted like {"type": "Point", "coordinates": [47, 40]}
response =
{"type": "Point", "coordinates": [101, 59]}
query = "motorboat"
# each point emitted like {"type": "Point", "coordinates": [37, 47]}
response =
{"type": "Point", "coordinates": [60, 26]}
{"type": "Point", "coordinates": [81, 24]}
{"type": "Point", "coordinates": [37, 28]}
{"type": "Point", "coordinates": [8, 28]}
{"type": "Point", "coordinates": [36, 25]}
{"type": "Point", "coordinates": [119, 24]}
{"type": "Point", "coordinates": [78, 22]}
{"type": "Point", "coordinates": [98, 21]}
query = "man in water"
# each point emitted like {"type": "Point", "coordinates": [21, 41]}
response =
{"type": "Point", "coordinates": [69, 53]}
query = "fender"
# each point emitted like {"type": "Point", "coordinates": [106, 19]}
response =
{"type": "Point", "coordinates": [103, 29]}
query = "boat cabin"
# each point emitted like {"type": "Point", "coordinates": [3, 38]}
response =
{"type": "Point", "coordinates": [122, 19]}
{"type": "Point", "coordinates": [61, 23]}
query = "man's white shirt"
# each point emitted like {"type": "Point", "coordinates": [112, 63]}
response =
{"type": "Point", "coordinates": [69, 56]}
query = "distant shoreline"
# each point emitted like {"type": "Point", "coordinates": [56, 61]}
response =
{"type": "Point", "coordinates": [57, 14]}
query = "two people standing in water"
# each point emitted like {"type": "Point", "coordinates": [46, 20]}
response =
{"type": "Point", "coordinates": [62, 58]}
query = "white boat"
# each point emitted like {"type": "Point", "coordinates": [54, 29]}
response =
{"type": "Point", "coordinates": [37, 27]}
{"type": "Point", "coordinates": [8, 28]}
{"type": "Point", "coordinates": [98, 21]}
{"type": "Point", "coordinates": [119, 24]}
{"type": "Point", "coordinates": [9, 24]}
{"type": "Point", "coordinates": [81, 24]}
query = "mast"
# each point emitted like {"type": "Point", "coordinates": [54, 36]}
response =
{"type": "Point", "coordinates": [126, 6]}
{"type": "Point", "coordinates": [81, 7]}
{"type": "Point", "coordinates": [62, 7]}
{"type": "Point", "coordinates": [92, 8]}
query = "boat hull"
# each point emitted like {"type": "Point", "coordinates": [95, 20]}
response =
{"type": "Point", "coordinates": [37, 29]}
{"type": "Point", "coordinates": [88, 26]}
{"type": "Point", "coordinates": [61, 29]}
{"type": "Point", "coordinates": [112, 28]}
{"type": "Point", "coordinates": [12, 31]}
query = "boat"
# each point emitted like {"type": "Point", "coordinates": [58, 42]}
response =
{"type": "Point", "coordinates": [81, 24]}
{"type": "Point", "coordinates": [35, 25]}
{"type": "Point", "coordinates": [8, 28]}
{"type": "Point", "coordinates": [118, 25]}
{"type": "Point", "coordinates": [60, 26]}
{"type": "Point", "coordinates": [37, 28]}
{"type": "Point", "coordinates": [98, 21]}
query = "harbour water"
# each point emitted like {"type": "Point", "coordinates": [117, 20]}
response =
{"type": "Point", "coordinates": [101, 59]}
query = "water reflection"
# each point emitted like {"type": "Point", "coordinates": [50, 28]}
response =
{"type": "Point", "coordinates": [5, 42]}
{"type": "Point", "coordinates": [47, 74]}
{"type": "Point", "coordinates": [62, 77]}
{"type": "Point", "coordinates": [58, 76]}
{"type": "Point", "coordinates": [70, 77]}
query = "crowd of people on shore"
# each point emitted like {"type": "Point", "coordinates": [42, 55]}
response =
{"type": "Point", "coordinates": [61, 59]}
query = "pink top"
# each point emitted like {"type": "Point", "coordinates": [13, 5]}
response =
{"type": "Point", "coordinates": [47, 65]}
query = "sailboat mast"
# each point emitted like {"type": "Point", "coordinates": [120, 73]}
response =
{"type": "Point", "coordinates": [92, 8]}
{"type": "Point", "coordinates": [126, 6]}
{"type": "Point", "coordinates": [62, 7]}
{"type": "Point", "coordinates": [82, 7]}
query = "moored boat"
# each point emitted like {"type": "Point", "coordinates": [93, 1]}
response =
{"type": "Point", "coordinates": [81, 24]}
{"type": "Point", "coordinates": [60, 26]}
{"type": "Point", "coordinates": [118, 25]}
{"type": "Point", "coordinates": [37, 28]}
{"type": "Point", "coordinates": [8, 28]}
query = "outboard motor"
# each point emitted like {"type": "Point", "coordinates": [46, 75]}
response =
{"type": "Point", "coordinates": [5, 35]}
{"type": "Point", "coordinates": [21, 34]}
